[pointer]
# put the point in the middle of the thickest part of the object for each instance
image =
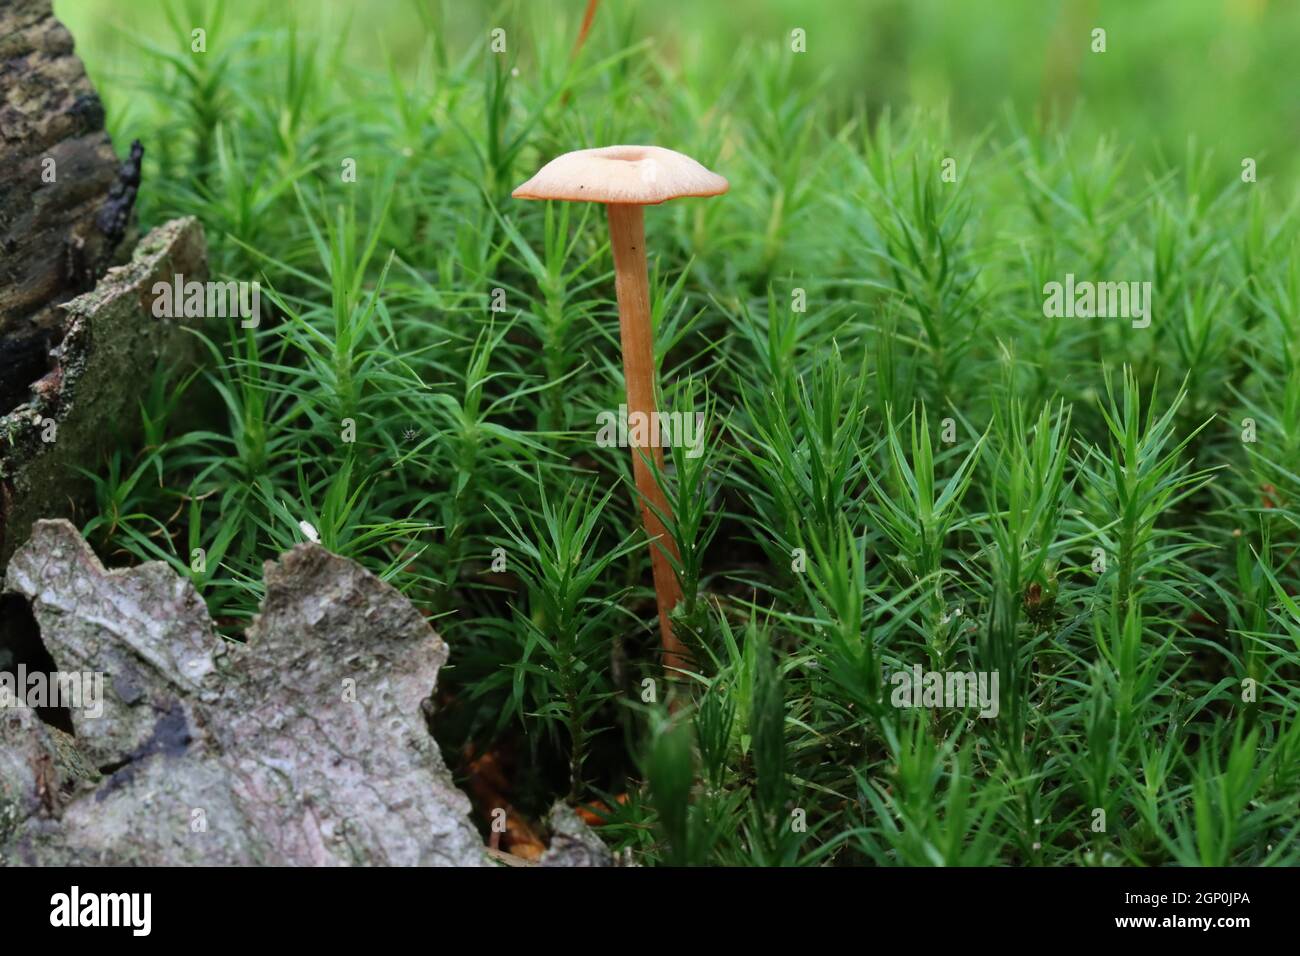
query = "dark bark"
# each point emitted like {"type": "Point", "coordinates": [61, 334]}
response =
{"type": "Point", "coordinates": [87, 403]}
{"type": "Point", "coordinates": [51, 126]}
{"type": "Point", "coordinates": [71, 372]}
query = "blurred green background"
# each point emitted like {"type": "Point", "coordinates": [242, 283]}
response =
{"type": "Point", "coordinates": [1221, 72]}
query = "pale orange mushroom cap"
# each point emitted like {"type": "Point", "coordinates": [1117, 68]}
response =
{"type": "Point", "coordinates": [632, 175]}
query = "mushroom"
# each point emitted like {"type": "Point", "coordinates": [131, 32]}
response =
{"type": "Point", "coordinates": [625, 178]}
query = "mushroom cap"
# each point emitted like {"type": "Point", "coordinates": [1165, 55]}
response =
{"type": "Point", "coordinates": [633, 175]}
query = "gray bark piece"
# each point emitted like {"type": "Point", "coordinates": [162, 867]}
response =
{"type": "Point", "coordinates": [33, 757]}
{"type": "Point", "coordinates": [573, 843]}
{"type": "Point", "coordinates": [307, 746]}
{"type": "Point", "coordinates": [145, 628]}
{"type": "Point", "coordinates": [352, 660]}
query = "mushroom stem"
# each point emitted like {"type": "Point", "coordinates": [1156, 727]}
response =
{"type": "Point", "coordinates": [632, 285]}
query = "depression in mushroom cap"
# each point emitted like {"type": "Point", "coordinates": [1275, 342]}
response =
{"type": "Point", "coordinates": [637, 175]}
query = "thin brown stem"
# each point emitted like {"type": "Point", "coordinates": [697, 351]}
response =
{"type": "Point", "coordinates": [632, 285]}
{"type": "Point", "coordinates": [587, 19]}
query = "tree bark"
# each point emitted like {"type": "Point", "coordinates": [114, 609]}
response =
{"type": "Point", "coordinates": [57, 168]}
{"type": "Point", "coordinates": [309, 745]}
{"type": "Point", "coordinates": [70, 372]}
